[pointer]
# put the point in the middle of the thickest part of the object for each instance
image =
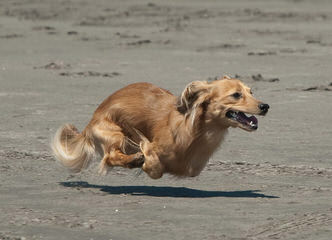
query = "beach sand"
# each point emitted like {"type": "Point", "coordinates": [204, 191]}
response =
{"type": "Point", "coordinates": [60, 59]}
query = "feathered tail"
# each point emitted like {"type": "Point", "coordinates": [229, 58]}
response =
{"type": "Point", "coordinates": [73, 149]}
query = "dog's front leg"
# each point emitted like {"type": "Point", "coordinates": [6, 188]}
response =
{"type": "Point", "coordinates": [152, 165]}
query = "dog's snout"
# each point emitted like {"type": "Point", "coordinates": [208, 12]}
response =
{"type": "Point", "coordinates": [264, 108]}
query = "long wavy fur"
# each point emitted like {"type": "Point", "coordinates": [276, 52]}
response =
{"type": "Point", "coordinates": [73, 149]}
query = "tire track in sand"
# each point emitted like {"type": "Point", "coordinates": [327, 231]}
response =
{"type": "Point", "coordinates": [299, 224]}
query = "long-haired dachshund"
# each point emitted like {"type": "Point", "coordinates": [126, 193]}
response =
{"type": "Point", "coordinates": [145, 126]}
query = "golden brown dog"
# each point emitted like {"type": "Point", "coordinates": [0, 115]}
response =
{"type": "Point", "coordinates": [145, 126]}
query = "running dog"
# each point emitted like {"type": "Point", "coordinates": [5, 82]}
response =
{"type": "Point", "coordinates": [144, 126]}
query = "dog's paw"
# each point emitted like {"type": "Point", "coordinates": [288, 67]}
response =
{"type": "Point", "coordinates": [137, 162]}
{"type": "Point", "coordinates": [154, 170]}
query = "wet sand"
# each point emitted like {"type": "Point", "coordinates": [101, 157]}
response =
{"type": "Point", "coordinates": [60, 59]}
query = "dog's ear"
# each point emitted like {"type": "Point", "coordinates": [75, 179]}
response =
{"type": "Point", "coordinates": [191, 93]}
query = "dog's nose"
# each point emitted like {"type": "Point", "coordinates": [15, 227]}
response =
{"type": "Point", "coordinates": [264, 107]}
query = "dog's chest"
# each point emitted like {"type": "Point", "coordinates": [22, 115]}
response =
{"type": "Point", "coordinates": [202, 149]}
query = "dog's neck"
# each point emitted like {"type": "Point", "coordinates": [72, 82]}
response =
{"type": "Point", "coordinates": [193, 127]}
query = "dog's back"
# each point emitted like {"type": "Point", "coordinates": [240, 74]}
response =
{"type": "Point", "coordinates": [140, 105]}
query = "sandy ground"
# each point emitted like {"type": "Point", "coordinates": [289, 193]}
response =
{"type": "Point", "coordinates": [60, 59]}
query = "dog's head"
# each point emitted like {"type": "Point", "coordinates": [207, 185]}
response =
{"type": "Point", "coordinates": [224, 102]}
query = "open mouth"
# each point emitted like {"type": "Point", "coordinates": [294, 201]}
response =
{"type": "Point", "coordinates": [247, 123]}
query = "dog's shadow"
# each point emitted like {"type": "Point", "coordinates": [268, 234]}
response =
{"type": "Point", "coordinates": [162, 191]}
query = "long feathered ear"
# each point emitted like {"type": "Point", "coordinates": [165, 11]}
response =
{"type": "Point", "coordinates": [190, 94]}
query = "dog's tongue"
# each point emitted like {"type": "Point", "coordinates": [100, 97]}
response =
{"type": "Point", "coordinates": [246, 119]}
{"type": "Point", "coordinates": [253, 119]}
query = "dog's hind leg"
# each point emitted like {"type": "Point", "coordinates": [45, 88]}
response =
{"type": "Point", "coordinates": [111, 141]}
{"type": "Point", "coordinates": [116, 158]}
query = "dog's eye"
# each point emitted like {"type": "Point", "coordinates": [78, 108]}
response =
{"type": "Point", "coordinates": [251, 92]}
{"type": "Point", "coordinates": [236, 95]}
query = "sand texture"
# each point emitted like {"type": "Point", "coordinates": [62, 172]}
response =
{"type": "Point", "coordinates": [60, 59]}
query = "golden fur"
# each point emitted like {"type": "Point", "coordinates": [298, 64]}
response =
{"type": "Point", "coordinates": [142, 125]}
